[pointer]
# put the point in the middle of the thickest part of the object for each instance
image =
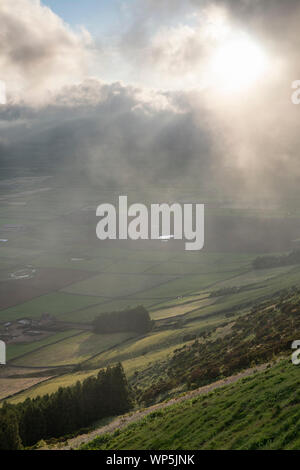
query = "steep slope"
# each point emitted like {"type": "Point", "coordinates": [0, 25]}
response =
{"type": "Point", "coordinates": [258, 412]}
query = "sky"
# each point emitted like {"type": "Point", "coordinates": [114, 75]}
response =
{"type": "Point", "coordinates": [111, 24]}
{"type": "Point", "coordinates": [170, 46]}
{"type": "Point", "coordinates": [100, 17]}
{"type": "Point", "coordinates": [106, 21]}
{"type": "Point", "coordinates": [141, 90]}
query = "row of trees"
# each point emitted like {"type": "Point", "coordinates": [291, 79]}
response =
{"type": "Point", "coordinates": [265, 262]}
{"type": "Point", "coordinates": [65, 411]}
{"type": "Point", "coordinates": [132, 319]}
{"type": "Point", "coordinates": [230, 290]}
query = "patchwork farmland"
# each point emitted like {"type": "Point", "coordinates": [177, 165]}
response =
{"type": "Point", "coordinates": [70, 278]}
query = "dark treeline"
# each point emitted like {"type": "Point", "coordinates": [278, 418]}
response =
{"type": "Point", "coordinates": [264, 262]}
{"type": "Point", "coordinates": [230, 290]}
{"type": "Point", "coordinates": [132, 319]}
{"type": "Point", "coordinates": [65, 411]}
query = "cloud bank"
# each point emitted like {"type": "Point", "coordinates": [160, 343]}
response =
{"type": "Point", "coordinates": [38, 53]}
{"type": "Point", "coordinates": [178, 131]}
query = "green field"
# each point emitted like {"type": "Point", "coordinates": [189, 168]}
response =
{"type": "Point", "coordinates": [138, 354]}
{"type": "Point", "coordinates": [129, 266]}
{"type": "Point", "coordinates": [101, 305]}
{"type": "Point", "coordinates": [52, 385]}
{"type": "Point", "coordinates": [16, 350]}
{"type": "Point", "coordinates": [117, 285]}
{"type": "Point", "coordinates": [185, 285]}
{"type": "Point", "coordinates": [182, 308]}
{"type": "Point", "coordinates": [174, 285]}
{"type": "Point", "coordinates": [258, 412]}
{"type": "Point", "coordinates": [255, 277]}
{"type": "Point", "coordinates": [275, 280]}
{"type": "Point", "coordinates": [73, 261]}
{"type": "Point", "coordinates": [72, 350]}
{"type": "Point", "coordinates": [57, 304]}
{"type": "Point", "coordinates": [155, 345]}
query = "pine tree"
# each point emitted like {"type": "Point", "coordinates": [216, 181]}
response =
{"type": "Point", "coordinates": [9, 430]}
{"type": "Point", "coordinates": [32, 422]}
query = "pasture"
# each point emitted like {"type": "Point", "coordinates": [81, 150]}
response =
{"type": "Point", "coordinates": [77, 277]}
{"type": "Point", "coordinates": [72, 350]}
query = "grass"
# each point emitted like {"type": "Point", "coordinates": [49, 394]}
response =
{"type": "Point", "coordinates": [131, 266]}
{"type": "Point", "coordinates": [16, 350]}
{"type": "Point", "coordinates": [7, 264]}
{"type": "Point", "coordinates": [9, 386]}
{"type": "Point", "coordinates": [188, 284]}
{"type": "Point", "coordinates": [258, 412]}
{"type": "Point", "coordinates": [73, 261]}
{"type": "Point", "coordinates": [101, 305]}
{"type": "Point", "coordinates": [181, 300]}
{"type": "Point", "coordinates": [136, 355]}
{"type": "Point", "coordinates": [52, 385]}
{"type": "Point", "coordinates": [58, 304]}
{"type": "Point", "coordinates": [139, 353]}
{"type": "Point", "coordinates": [276, 282]}
{"type": "Point", "coordinates": [203, 263]}
{"type": "Point", "coordinates": [167, 278]}
{"type": "Point", "coordinates": [116, 284]}
{"type": "Point", "coordinates": [128, 274]}
{"type": "Point", "coordinates": [255, 277]}
{"type": "Point", "coordinates": [16, 253]}
{"type": "Point", "coordinates": [153, 347]}
{"type": "Point", "coordinates": [182, 309]}
{"type": "Point", "coordinates": [72, 350]}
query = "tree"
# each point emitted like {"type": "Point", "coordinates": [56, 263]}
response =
{"type": "Point", "coordinates": [132, 319]}
{"type": "Point", "coordinates": [9, 429]}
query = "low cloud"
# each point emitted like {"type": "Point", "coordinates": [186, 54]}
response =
{"type": "Point", "coordinates": [177, 133]}
{"type": "Point", "coordinates": [112, 134]}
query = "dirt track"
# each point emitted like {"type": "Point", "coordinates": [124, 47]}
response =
{"type": "Point", "coordinates": [123, 421]}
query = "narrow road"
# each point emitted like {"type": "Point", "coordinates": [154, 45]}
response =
{"type": "Point", "coordinates": [124, 420]}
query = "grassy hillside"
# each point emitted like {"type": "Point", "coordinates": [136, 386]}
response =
{"type": "Point", "coordinates": [240, 341]}
{"type": "Point", "coordinates": [258, 412]}
{"type": "Point", "coordinates": [165, 362]}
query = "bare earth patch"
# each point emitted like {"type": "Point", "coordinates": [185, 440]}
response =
{"type": "Point", "coordinates": [9, 386]}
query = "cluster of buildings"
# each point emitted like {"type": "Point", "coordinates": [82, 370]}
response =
{"type": "Point", "coordinates": [26, 328]}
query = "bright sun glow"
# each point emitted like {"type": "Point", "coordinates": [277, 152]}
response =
{"type": "Point", "coordinates": [238, 63]}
